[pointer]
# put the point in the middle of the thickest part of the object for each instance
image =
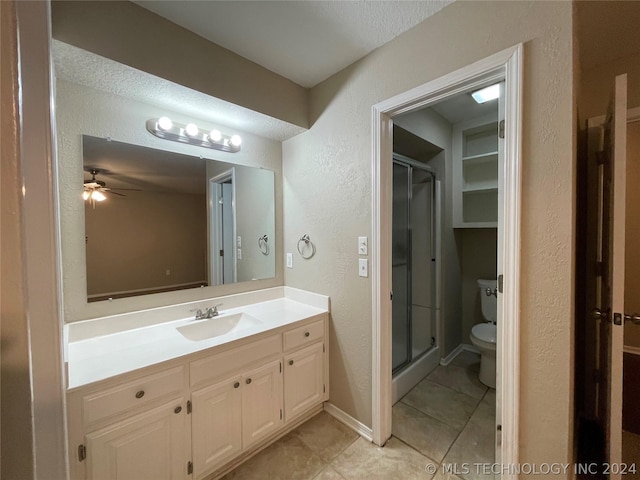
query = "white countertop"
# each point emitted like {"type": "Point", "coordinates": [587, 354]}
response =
{"type": "Point", "coordinates": [104, 356]}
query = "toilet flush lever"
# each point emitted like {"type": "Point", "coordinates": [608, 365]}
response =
{"type": "Point", "coordinates": [490, 292]}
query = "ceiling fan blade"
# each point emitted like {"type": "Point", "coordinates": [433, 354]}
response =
{"type": "Point", "coordinates": [115, 193]}
{"type": "Point", "coordinates": [127, 189]}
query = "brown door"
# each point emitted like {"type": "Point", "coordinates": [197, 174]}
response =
{"type": "Point", "coordinates": [609, 297]}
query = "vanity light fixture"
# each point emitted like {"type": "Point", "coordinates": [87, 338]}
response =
{"type": "Point", "coordinates": [191, 129]}
{"type": "Point", "coordinates": [487, 93]}
{"type": "Point", "coordinates": [165, 123]}
{"type": "Point", "coordinates": [164, 128]}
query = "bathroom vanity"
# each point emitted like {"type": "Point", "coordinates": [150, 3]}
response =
{"type": "Point", "coordinates": [192, 398]}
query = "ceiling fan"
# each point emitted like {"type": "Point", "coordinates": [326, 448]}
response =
{"type": "Point", "coordinates": [95, 189]}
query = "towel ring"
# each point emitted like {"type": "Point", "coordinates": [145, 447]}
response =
{"type": "Point", "coordinates": [307, 243]}
{"type": "Point", "coordinates": [263, 244]}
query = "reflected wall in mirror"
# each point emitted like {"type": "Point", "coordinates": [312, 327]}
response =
{"type": "Point", "coordinates": [171, 221]}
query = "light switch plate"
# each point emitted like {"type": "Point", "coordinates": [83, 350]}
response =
{"type": "Point", "coordinates": [289, 260]}
{"type": "Point", "coordinates": [363, 245]}
{"type": "Point", "coordinates": [363, 267]}
{"type": "Point", "coordinates": [239, 256]}
{"type": "Point", "coordinates": [239, 241]}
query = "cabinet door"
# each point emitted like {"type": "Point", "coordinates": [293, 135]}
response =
{"type": "Point", "coordinates": [303, 380]}
{"type": "Point", "coordinates": [216, 425]}
{"type": "Point", "coordinates": [261, 403]}
{"type": "Point", "coordinates": [152, 445]}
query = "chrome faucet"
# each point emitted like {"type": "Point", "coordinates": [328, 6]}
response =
{"type": "Point", "coordinates": [213, 311]}
{"type": "Point", "coordinates": [207, 312]}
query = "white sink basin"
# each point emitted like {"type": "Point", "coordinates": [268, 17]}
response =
{"type": "Point", "coordinates": [216, 326]}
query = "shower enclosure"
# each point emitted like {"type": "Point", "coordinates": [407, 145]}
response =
{"type": "Point", "coordinates": [414, 266]}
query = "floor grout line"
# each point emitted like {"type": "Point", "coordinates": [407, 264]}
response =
{"type": "Point", "coordinates": [475, 409]}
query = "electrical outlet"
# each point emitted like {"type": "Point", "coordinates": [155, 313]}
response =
{"type": "Point", "coordinates": [363, 245]}
{"type": "Point", "coordinates": [363, 267]}
{"type": "Point", "coordinates": [289, 260]}
{"type": "Point", "coordinates": [167, 272]}
{"type": "Point", "coordinates": [239, 256]}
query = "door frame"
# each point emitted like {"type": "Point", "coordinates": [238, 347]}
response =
{"type": "Point", "coordinates": [216, 241]}
{"type": "Point", "coordinates": [506, 65]}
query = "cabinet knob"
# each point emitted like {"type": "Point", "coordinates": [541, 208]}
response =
{"type": "Point", "coordinates": [306, 334]}
{"type": "Point", "coordinates": [140, 394]}
{"type": "Point", "coordinates": [178, 409]}
{"type": "Point", "coordinates": [236, 385]}
{"type": "Point", "coordinates": [290, 362]}
{"type": "Point", "coordinates": [248, 381]}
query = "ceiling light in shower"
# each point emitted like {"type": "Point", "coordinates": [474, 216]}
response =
{"type": "Point", "coordinates": [487, 93]}
{"type": "Point", "coordinates": [166, 129]}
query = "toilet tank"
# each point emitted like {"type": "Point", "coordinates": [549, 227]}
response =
{"type": "Point", "coordinates": [488, 303]}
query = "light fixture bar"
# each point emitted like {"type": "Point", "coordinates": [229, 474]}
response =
{"type": "Point", "coordinates": [486, 94]}
{"type": "Point", "coordinates": [168, 130]}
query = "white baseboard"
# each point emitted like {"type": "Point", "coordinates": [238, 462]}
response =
{"type": "Point", "coordinates": [456, 351]}
{"type": "Point", "coordinates": [355, 425]}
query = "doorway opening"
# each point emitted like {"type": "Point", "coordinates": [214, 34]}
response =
{"type": "Point", "coordinates": [446, 382]}
{"type": "Point", "coordinates": [222, 228]}
{"type": "Point", "coordinates": [504, 67]}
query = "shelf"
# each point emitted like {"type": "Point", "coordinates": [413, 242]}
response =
{"type": "Point", "coordinates": [481, 158]}
{"type": "Point", "coordinates": [480, 206]}
{"type": "Point", "coordinates": [475, 173]}
{"type": "Point", "coordinates": [488, 189]}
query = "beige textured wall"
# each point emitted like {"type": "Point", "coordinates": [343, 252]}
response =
{"type": "Point", "coordinates": [479, 260]}
{"type": "Point", "coordinates": [82, 110]}
{"type": "Point", "coordinates": [254, 209]}
{"type": "Point", "coordinates": [133, 241]}
{"type": "Point", "coordinates": [16, 459]}
{"type": "Point", "coordinates": [597, 85]}
{"type": "Point", "coordinates": [327, 187]}
{"type": "Point", "coordinates": [129, 34]}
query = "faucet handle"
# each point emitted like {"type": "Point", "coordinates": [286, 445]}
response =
{"type": "Point", "coordinates": [215, 308]}
{"type": "Point", "coordinates": [198, 312]}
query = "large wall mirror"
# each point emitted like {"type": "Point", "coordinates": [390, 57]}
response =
{"type": "Point", "coordinates": [165, 234]}
{"type": "Point", "coordinates": [158, 221]}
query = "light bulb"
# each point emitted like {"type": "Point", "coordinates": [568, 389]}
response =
{"type": "Point", "coordinates": [85, 195]}
{"type": "Point", "coordinates": [486, 94]}
{"type": "Point", "coordinates": [215, 135]}
{"type": "Point", "coordinates": [165, 123]}
{"type": "Point", "coordinates": [191, 129]}
{"type": "Point", "coordinates": [236, 140]}
{"type": "Point", "coordinates": [98, 196]}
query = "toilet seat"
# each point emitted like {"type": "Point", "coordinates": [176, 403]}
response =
{"type": "Point", "coordinates": [485, 335]}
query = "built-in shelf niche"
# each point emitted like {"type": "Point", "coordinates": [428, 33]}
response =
{"type": "Point", "coordinates": [475, 173]}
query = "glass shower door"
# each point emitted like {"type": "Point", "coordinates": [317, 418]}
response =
{"type": "Point", "coordinates": [401, 245]}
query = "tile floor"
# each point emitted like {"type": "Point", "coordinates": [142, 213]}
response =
{"type": "Point", "coordinates": [448, 418]}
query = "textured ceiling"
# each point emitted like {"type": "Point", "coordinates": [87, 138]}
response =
{"type": "Point", "coordinates": [79, 66]}
{"type": "Point", "coordinates": [304, 41]}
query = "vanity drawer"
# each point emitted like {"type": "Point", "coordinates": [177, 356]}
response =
{"type": "Point", "coordinates": [130, 395]}
{"type": "Point", "coordinates": [302, 335]}
{"type": "Point", "coordinates": [220, 364]}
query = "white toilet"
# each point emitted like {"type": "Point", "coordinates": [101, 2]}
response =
{"type": "Point", "coordinates": [484, 335]}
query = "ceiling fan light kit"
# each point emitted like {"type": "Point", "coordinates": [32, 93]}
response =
{"type": "Point", "coordinates": [166, 129]}
{"type": "Point", "coordinates": [94, 189]}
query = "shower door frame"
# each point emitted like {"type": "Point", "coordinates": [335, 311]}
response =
{"type": "Point", "coordinates": [506, 65]}
{"type": "Point", "coordinates": [410, 164]}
